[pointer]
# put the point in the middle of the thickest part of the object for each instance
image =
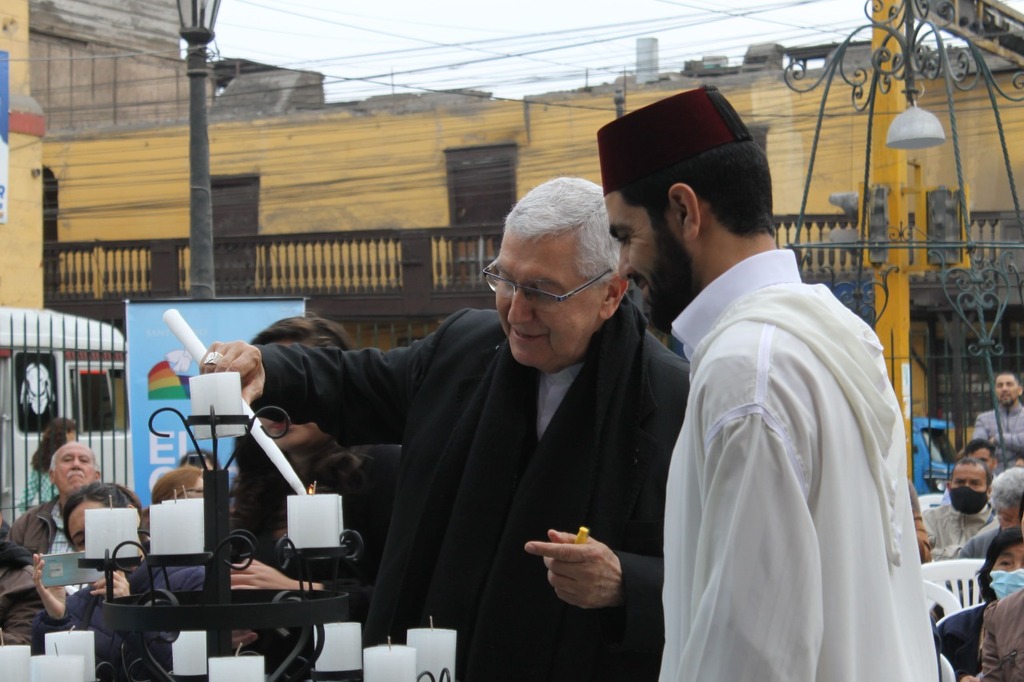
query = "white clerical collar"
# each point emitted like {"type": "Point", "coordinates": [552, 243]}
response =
{"type": "Point", "coordinates": [777, 266]}
{"type": "Point", "coordinates": [551, 390]}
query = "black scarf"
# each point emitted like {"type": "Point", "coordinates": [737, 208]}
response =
{"type": "Point", "coordinates": [495, 488]}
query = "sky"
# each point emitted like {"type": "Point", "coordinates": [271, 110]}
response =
{"type": "Point", "coordinates": [512, 48]}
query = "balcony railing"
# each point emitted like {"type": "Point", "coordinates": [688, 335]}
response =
{"type": "Point", "coordinates": [382, 274]}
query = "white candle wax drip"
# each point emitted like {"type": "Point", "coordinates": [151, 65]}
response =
{"type": "Point", "coordinates": [343, 647]}
{"type": "Point", "coordinates": [176, 527]}
{"type": "Point", "coordinates": [389, 663]}
{"type": "Point", "coordinates": [435, 650]}
{"type": "Point", "coordinates": [105, 529]}
{"type": "Point", "coordinates": [315, 520]}
{"type": "Point", "coordinates": [74, 643]}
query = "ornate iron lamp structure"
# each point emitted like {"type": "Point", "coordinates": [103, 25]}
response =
{"type": "Point", "coordinates": [913, 43]}
{"type": "Point", "coordinates": [197, 20]}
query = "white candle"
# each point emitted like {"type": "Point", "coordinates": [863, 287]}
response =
{"type": "Point", "coordinates": [74, 643]}
{"type": "Point", "coordinates": [236, 668]}
{"type": "Point", "coordinates": [176, 323]}
{"type": "Point", "coordinates": [107, 528]}
{"type": "Point", "coordinates": [315, 520]}
{"type": "Point", "coordinates": [223, 392]}
{"type": "Point", "coordinates": [435, 650]}
{"type": "Point", "coordinates": [389, 663]}
{"type": "Point", "coordinates": [14, 661]}
{"type": "Point", "coordinates": [56, 669]}
{"type": "Point", "coordinates": [343, 647]}
{"type": "Point", "coordinates": [176, 527]}
{"type": "Point", "coordinates": [188, 653]}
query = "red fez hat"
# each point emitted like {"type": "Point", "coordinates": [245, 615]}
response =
{"type": "Point", "coordinates": [666, 132]}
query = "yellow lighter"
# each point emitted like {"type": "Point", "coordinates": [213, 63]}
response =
{"type": "Point", "coordinates": [582, 535]}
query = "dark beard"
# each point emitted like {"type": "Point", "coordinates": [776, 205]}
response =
{"type": "Point", "coordinates": [670, 285]}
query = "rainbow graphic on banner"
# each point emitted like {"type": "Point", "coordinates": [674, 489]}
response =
{"type": "Point", "coordinates": [164, 384]}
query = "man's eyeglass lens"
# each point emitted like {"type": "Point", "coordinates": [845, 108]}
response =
{"type": "Point", "coordinates": [506, 288]}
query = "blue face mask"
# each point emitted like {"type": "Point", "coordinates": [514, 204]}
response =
{"type": "Point", "coordinates": [1004, 584]}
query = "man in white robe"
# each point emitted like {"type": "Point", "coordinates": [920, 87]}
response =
{"type": "Point", "coordinates": [790, 549]}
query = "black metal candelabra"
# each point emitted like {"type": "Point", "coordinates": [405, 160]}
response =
{"type": "Point", "coordinates": [216, 609]}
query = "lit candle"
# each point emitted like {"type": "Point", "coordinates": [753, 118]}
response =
{"type": "Point", "coordinates": [188, 653]}
{"type": "Point", "coordinates": [223, 392]}
{"type": "Point", "coordinates": [80, 643]}
{"type": "Point", "coordinates": [389, 663]}
{"type": "Point", "coordinates": [107, 528]}
{"type": "Point", "coordinates": [435, 650]}
{"type": "Point", "coordinates": [315, 520]}
{"type": "Point", "coordinates": [176, 527]}
{"type": "Point", "coordinates": [343, 647]}
{"type": "Point", "coordinates": [14, 661]}
{"type": "Point", "coordinates": [56, 669]}
{"type": "Point", "coordinates": [176, 323]}
{"type": "Point", "coordinates": [236, 668]}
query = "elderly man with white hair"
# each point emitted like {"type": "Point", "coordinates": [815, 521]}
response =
{"type": "Point", "coordinates": [40, 528]}
{"type": "Point", "coordinates": [1007, 490]}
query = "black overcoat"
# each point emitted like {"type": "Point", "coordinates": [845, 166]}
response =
{"type": "Point", "coordinates": [422, 396]}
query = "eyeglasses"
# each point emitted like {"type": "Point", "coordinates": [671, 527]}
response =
{"type": "Point", "coordinates": [506, 288]}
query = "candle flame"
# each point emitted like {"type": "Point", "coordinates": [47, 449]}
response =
{"type": "Point", "coordinates": [311, 490]}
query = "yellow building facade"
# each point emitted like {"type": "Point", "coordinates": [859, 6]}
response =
{"type": "Point", "coordinates": [344, 168]}
{"type": "Point", "coordinates": [21, 281]}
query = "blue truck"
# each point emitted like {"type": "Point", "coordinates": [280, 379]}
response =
{"type": "Point", "coordinates": [933, 454]}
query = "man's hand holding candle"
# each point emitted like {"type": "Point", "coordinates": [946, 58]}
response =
{"type": "Point", "coordinates": [587, 575]}
{"type": "Point", "coordinates": [238, 356]}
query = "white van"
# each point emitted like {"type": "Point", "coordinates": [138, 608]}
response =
{"type": "Point", "coordinates": [57, 365]}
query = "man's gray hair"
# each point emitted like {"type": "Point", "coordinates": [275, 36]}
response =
{"type": "Point", "coordinates": [73, 445]}
{"type": "Point", "coordinates": [568, 206]}
{"type": "Point", "coordinates": [1007, 489]}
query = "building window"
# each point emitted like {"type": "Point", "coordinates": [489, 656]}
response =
{"type": "Point", "coordinates": [51, 205]}
{"type": "Point", "coordinates": [236, 205]}
{"type": "Point", "coordinates": [481, 183]}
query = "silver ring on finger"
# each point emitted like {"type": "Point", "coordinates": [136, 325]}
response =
{"type": "Point", "coordinates": [213, 358]}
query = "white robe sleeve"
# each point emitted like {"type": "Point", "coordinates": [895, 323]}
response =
{"type": "Point", "coordinates": [757, 601]}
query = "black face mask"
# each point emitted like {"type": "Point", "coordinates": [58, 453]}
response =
{"type": "Point", "coordinates": [966, 500]}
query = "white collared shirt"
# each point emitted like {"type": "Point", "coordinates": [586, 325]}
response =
{"type": "Point", "coordinates": [764, 269]}
{"type": "Point", "coordinates": [550, 393]}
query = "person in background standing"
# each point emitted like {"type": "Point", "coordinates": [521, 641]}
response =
{"type": "Point", "coordinates": [40, 488]}
{"type": "Point", "coordinates": [1011, 421]}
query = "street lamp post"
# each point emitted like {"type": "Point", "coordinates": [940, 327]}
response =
{"type": "Point", "coordinates": [197, 20]}
{"type": "Point", "coordinates": [914, 42]}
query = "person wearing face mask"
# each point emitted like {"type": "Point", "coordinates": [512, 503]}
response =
{"type": "Point", "coordinates": [952, 525]}
{"type": "Point", "coordinates": [1001, 575]}
{"type": "Point", "coordinates": [1004, 623]}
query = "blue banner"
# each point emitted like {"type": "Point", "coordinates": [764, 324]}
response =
{"type": "Point", "coordinates": [5, 124]}
{"type": "Point", "coordinates": [159, 368]}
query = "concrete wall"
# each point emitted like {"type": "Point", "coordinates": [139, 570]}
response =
{"type": "Point", "coordinates": [99, 63]}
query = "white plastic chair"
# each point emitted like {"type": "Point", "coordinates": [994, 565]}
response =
{"type": "Point", "coordinates": [959, 576]}
{"type": "Point", "coordinates": [946, 670]}
{"type": "Point", "coordinates": [930, 500]}
{"type": "Point", "coordinates": [937, 595]}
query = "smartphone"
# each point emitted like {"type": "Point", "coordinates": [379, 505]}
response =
{"type": "Point", "coordinates": [63, 569]}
